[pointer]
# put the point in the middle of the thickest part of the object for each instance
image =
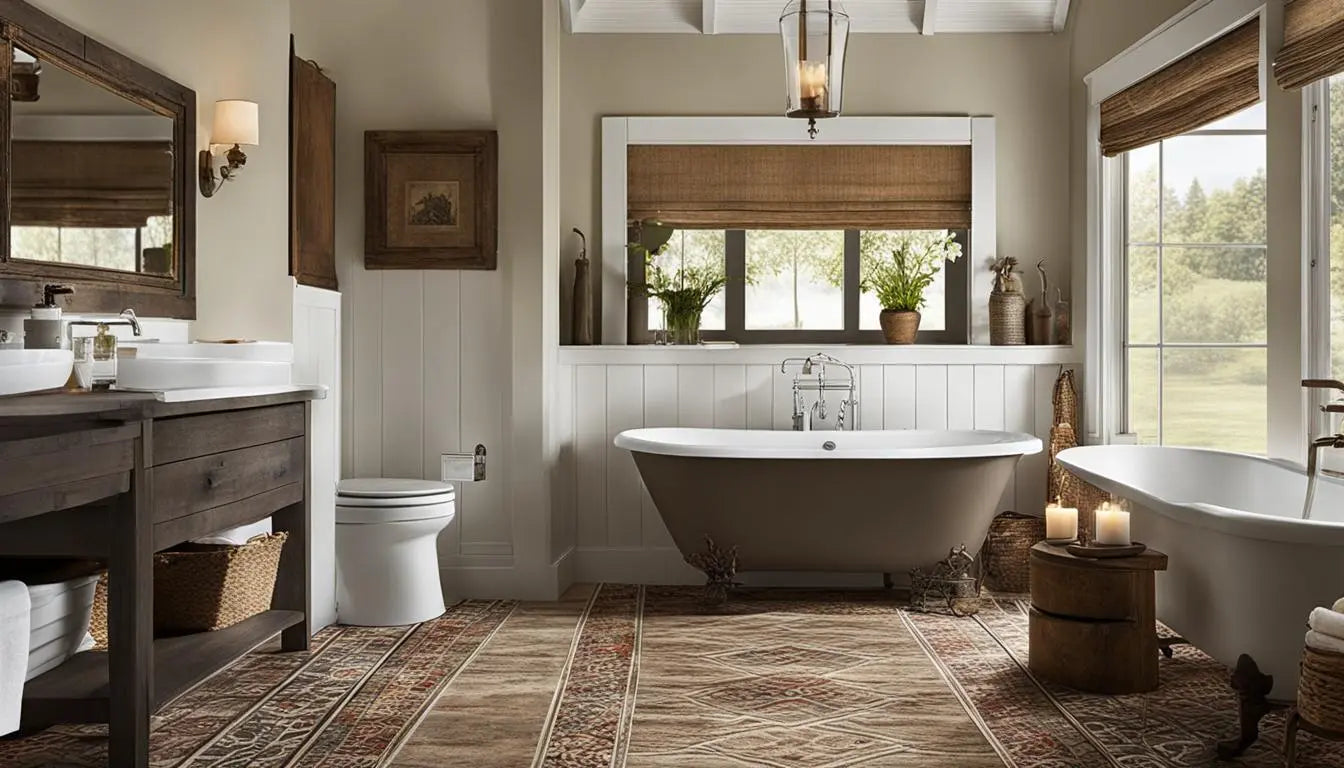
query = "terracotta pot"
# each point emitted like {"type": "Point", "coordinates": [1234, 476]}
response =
{"type": "Point", "coordinates": [900, 327]}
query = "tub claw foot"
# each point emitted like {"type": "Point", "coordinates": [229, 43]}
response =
{"type": "Point", "coordinates": [720, 568]}
{"type": "Point", "coordinates": [1164, 644]}
{"type": "Point", "coordinates": [1252, 687]}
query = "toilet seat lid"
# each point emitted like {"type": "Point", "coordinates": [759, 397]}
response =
{"type": "Point", "coordinates": [391, 488]}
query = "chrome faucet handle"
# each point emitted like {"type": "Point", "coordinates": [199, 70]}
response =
{"type": "Point", "coordinates": [128, 315]}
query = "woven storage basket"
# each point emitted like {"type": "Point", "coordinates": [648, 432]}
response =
{"type": "Point", "coordinates": [1320, 691]}
{"type": "Point", "coordinates": [210, 587]}
{"type": "Point", "coordinates": [1008, 551]}
{"type": "Point", "coordinates": [1007, 319]}
{"type": "Point", "coordinates": [1065, 399]}
{"type": "Point", "coordinates": [204, 587]}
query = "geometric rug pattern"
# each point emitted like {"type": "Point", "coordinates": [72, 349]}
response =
{"type": "Point", "coordinates": [657, 677]}
{"type": "Point", "coordinates": [347, 702]}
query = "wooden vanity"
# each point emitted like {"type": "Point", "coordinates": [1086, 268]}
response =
{"type": "Point", "coordinates": [117, 476]}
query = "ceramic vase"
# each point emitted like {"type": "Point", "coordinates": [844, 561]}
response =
{"type": "Point", "coordinates": [898, 326]}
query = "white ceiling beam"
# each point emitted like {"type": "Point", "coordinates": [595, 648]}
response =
{"type": "Point", "coordinates": [1061, 14]}
{"type": "Point", "coordinates": [709, 17]}
{"type": "Point", "coordinates": [930, 17]}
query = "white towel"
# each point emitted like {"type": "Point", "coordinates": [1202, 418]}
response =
{"type": "Point", "coordinates": [1338, 607]}
{"type": "Point", "coordinates": [14, 614]}
{"type": "Point", "coordinates": [1320, 642]}
{"type": "Point", "coordinates": [237, 536]}
{"type": "Point", "coordinates": [1327, 622]}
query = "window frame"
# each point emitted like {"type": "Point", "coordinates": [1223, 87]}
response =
{"type": "Point", "coordinates": [956, 307]}
{"type": "Point", "coordinates": [619, 132]}
{"type": "Point", "coordinates": [1160, 245]}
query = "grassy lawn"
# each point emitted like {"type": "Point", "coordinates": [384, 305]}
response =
{"type": "Point", "coordinates": [1217, 406]}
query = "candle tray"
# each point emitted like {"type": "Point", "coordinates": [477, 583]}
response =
{"type": "Point", "coordinates": [1106, 550]}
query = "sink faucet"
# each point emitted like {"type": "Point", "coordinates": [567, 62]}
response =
{"type": "Point", "coordinates": [806, 418]}
{"type": "Point", "coordinates": [127, 317]}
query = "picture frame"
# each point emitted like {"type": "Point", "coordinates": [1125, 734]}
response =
{"type": "Point", "coordinates": [431, 199]}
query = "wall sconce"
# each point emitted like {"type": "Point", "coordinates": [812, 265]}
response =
{"type": "Point", "coordinates": [235, 124]}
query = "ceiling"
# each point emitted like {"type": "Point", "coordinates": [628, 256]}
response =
{"type": "Point", "coordinates": [721, 17]}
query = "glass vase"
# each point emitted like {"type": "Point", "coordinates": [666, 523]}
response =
{"type": "Point", "coordinates": [683, 327]}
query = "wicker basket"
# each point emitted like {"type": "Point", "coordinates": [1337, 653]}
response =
{"type": "Point", "coordinates": [1007, 319]}
{"type": "Point", "coordinates": [204, 587]}
{"type": "Point", "coordinates": [1320, 691]}
{"type": "Point", "coordinates": [1065, 399]}
{"type": "Point", "coordinates": [1008, 550]}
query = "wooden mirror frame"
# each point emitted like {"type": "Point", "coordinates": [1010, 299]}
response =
{"type": "Point", "coordinates": [98, 289]}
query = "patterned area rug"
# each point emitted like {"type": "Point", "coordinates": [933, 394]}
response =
{"type": "Point", "coordinates": [787, 679]}
{"type": "Point", "coordinates": [349, 702]}
{"type": "Point", "coordinates": [780, 678]}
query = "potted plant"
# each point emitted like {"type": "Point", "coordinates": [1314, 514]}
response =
{"type": "Point", "coordinates": [684, 293]}
{"type": "Point", "coordinates": [899, 282]}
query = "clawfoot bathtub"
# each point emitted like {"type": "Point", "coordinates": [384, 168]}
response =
{"type": "Point", "coordinates": [1245, 569]}
{"type": "Point", "coordinates": [844, 502]}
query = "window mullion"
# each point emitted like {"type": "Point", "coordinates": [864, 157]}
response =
{"type": "Point", "coordinates": [735, 296]}
{"type": "Point", "coordinates": [851, 283]}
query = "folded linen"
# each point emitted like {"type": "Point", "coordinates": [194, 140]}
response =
{"type": "Point", "coordinates": [14, 615]}
{"type": "Point", "coordinates": [237, 537]}
{"type": "Point", "coordinates": [1319, 642]}
{"type": "Point", "coordinates": [1338, 607]}
{"type": "Point", "coordinates": [1327, 622]}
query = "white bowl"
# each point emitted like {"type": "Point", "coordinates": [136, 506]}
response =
{"type": "Point", "coordinates": [33, 370]}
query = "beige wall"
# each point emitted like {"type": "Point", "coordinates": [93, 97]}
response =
{"type": "Point", "coordinates": [438, 361]}
{"type": "Point", "coordinates": [240, 52]}
{"type": "Point", "coordinates": [1022, 80]}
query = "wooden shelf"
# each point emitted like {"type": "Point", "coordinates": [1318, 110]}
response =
{"type": "Point", "coordinates": [78, 690]}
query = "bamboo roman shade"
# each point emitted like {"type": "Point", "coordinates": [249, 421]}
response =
{"type": "Point", "coordinates": [1313, 42]}
{"type": "Point", "coordinates": [800, 186]}
{"type": "Point", "coordinates": [1210, 83]}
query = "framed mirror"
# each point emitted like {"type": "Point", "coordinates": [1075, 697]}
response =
{"type": "Point", "coordinates": [97, 173]}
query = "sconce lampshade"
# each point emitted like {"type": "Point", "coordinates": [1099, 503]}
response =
{"type": "Point", "coordinates": [815, 33]}
{"type": "Point", "coordinates": [236, 122]}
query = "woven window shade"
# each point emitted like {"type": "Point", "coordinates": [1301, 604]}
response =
{"type": "Point", "coordinates": [1210, 83]}
{"type": "Point", "coordinates": [1313, 42]}
{"type": "Point", "coordinates": [801, 187]}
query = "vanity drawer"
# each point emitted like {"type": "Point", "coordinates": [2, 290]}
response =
{"type": "Point", "coordinates": [52, 461]}
{"type": "Point", "coordinates": [186, 437]}
{"type": "Point", "coordinates": [187, 487]}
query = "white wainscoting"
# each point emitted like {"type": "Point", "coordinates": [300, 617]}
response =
{"type": "Point", "coordinates": [428, 373]}
{"type": "Point", "coordinates": [618, 534]}
{"type": "Point", "coordinates": [317, 360]}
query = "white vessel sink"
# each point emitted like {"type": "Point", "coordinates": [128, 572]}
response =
{"type": "Point", "coordinates": [33, 370]}
{"type": "Point", "coordinates": [158, 374]}
{"type": "Point", "coordinates": [261, 351]}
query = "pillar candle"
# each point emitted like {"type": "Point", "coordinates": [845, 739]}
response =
{"type": "Point", "coordinates": [1061, 523]}
{"type": "Point", "coordinates": [1112, 525]}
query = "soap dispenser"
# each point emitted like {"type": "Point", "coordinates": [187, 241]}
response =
{"type": "Point", "coordinates": [44, 329]}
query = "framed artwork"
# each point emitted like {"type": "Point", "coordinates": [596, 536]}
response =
{"type": "Point", "coordinates": [431, 199]}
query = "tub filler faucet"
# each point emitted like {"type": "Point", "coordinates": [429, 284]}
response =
{"type": "Point", "coordinates": [811, 377]}
{"type": "Point", "coordinates": [1327, 441]}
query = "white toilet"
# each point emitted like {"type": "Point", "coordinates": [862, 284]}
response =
{"type": "Point", "coordinates": [387, 557]}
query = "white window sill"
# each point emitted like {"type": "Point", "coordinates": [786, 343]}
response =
{"type": "Point", "coordinates": [855, 354]}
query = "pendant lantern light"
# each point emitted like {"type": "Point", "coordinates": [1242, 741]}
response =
{"type": "Point", "coordinates": [815, 34]}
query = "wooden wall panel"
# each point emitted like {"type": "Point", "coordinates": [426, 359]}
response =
{"type": "Point", "coordinates": [590, 411]}
{"type": "Point", "coordinates": [625, 410]}
{"type": "Point", "coordinates": [760, 396]}
{"type": "Point", "coordinates": [931, 397]}
{"type": "Point", "coordinates": [730, 396]}
{"type": "Point", "coordinates": [403, 383]}
{"type": "Point", "coordinates": [660, 410]}
{"type": "Point", "coordinates": [485, 366]}
{"type": "Point", "coordinates": [871, 396]}
{"type": "Point", "coordinates": [961, 397]}
{"type": "Point", "coordinates": [898, 397]}
{"type": "Point", "coordinates": [697, 408]}
{"type": "Point", "coordinates": [1019, 415]}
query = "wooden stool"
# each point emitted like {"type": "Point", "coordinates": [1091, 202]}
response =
{"type": "Point", "coordinates": [1094, 621]}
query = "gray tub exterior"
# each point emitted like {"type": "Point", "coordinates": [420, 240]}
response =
{"type": "Point", "coordinates": [838, 515]}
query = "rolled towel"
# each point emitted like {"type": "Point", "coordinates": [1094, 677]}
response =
{"type": "Point", "coordinates": [14, 616]}
{"type": "Point", "coordinates": [1319, 642]}
{"type": "Point", "coordinates": [1338, 607]}
{"type": "Point", "coordinates": [1327, 622]}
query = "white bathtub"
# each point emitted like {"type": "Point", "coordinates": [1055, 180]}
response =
{"type": "Point", "coordinates": [842, 502]}
{"type": "Point", "coordinates": [1245, 569]}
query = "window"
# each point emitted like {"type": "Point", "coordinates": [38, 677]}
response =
{"type": "Point", "coordinates": [1334, 194]}
{"type": "Point", "coordinates": [142, 249]}
{"type": "Point", "coordinates": [787, 286]}
{"type": "Point", "coordinates": [1195, 260]}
